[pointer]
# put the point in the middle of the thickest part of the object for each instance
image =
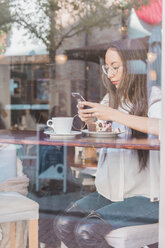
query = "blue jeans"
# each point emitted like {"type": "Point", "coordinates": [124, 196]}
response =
{"type": "Point", "coordinates": [90, 219]}
{"type": "Point", "coordinates": [136, 210]}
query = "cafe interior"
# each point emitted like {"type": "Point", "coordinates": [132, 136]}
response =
{"type": "Point", "coordinates": [49, 156]}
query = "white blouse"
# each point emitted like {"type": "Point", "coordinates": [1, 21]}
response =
{"type": "Point", "coordinates": [118, 174]}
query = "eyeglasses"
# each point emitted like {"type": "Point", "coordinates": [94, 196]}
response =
{"type": "Point", "coordinates": [113, 70]}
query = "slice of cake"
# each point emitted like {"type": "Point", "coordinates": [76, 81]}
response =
{"type": "Point", "coordinates": [100, 126]}
{"type": "Point", "coordinates": [103, 126]}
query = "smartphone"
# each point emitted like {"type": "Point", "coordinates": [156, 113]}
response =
{"type": "Point", "coordinates": [79, 98]}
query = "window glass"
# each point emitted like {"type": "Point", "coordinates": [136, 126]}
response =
{"type": "Point", "coordinates": [90, 167]}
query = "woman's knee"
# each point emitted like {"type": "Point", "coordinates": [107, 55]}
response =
{"type": "Point", "coordinates": [60, 225]}
{"type": "Point", "coordinates": [91, 232]}
{"type": "Point", "coordinates": [65, 224]}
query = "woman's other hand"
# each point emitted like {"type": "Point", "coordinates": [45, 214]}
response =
{"type": "Point", "coordinates": [96, 110]}
{"type": "Point", "coordinates": [83, 117]}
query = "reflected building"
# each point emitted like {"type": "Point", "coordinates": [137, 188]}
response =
{"type": "Point", "coordinates": [26, 84]}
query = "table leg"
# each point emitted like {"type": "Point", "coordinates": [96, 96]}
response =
{"type": "Point", "coordinates": [65, 169]}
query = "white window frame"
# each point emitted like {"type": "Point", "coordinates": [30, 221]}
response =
{"type": "Point", "coordinates": [162, 141]}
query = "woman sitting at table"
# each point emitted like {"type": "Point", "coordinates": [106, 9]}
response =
{"type": "Point", "coordinates": [127, 181]}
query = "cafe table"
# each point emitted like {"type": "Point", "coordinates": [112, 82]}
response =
{"type": "Point", "coordinates": [124, 141]}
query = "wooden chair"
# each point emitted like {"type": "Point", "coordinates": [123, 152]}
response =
{"type": "Point", "coordinates": [14, 208]}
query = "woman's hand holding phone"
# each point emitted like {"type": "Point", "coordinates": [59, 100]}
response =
{"type": "Point", "coordinates": [80, 107]}
{"type": "Point", "coordinates": [96, 110]}
{"type": "Point", "coordinates": [89, 111]}
{"type": "Point", "coordinates": [80, 99]}
{"type": "Point", "coordinates": [84, 112]}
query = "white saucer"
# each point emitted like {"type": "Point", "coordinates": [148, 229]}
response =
{"type": "Point", "coordinates": [102, 134]}
{"type": "Point", "coordinates": [52, 134]}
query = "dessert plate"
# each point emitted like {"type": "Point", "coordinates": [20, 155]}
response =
{"type": "Point", "coordinates": [102, 134]}
{"type": "Point", "coordinates": [54, 135]}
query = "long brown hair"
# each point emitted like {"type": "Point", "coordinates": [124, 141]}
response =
{"type": "Point", "coordinates": [132, 91]}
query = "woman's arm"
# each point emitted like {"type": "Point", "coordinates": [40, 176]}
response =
{"type": "Point", "coordinates": [142, 124]}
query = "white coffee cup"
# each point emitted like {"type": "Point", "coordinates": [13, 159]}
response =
{"type": "Point", "coordinates": [61, 125]}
